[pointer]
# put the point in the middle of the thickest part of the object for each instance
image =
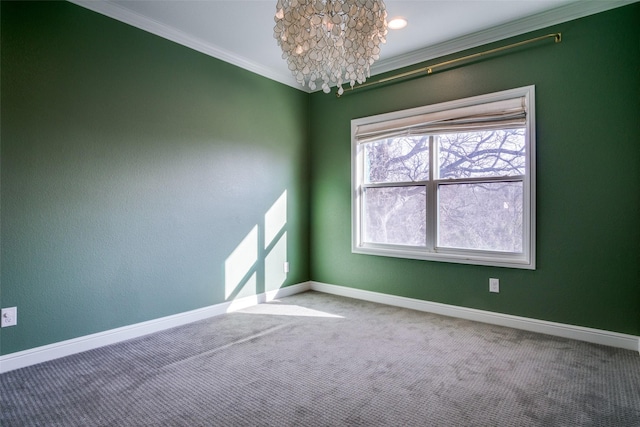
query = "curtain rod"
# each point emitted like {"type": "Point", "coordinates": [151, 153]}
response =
{"type": "Point", "coordinates": [429, 69]}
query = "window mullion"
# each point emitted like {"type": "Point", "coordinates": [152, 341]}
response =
{"type": "Point", "coordinates": [432, 197]}
{"type": "Point", "coordinates": [394, 184]}
{"type": "Point", "coordinates": [512, 178]}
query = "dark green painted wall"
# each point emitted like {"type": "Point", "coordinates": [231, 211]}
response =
{"type": "Point", "coordinates": [588, 176]}
{"type": "Point", "coordinates": [132, 167]}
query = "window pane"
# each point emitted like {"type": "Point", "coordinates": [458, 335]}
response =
{"type": "Point", "coordinates": [395, 215]}
{"type": "Point", "coordinates": [482, 154]}
{"type": "Point", "coordinates": [403, 159]}
{"type": "Point", "coordinates": [485, 216]}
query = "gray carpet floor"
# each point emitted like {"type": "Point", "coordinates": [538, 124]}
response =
{"type": "Point", "coordinates": [320, 360]}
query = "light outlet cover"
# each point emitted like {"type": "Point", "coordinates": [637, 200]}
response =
{"type": "Point", "coordinates": [494, 285]}
{"type": "Point", "coordinates": [9, 317]}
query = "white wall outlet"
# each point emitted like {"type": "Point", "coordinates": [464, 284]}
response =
{"type": "Point", "coordinates": [494, 285]}
{"type": "Point", "coordinates": [286, 266]}
{"type": "Point", "coordinates": [9, 317]}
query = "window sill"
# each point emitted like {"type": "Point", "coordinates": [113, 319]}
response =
{"type": "Point", "coordinates": [492, 259]}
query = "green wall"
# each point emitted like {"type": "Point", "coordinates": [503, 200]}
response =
{"type": "Point", "coordinates": [588, 176]}
{"type": "Point", "coordinates": [132, 168]}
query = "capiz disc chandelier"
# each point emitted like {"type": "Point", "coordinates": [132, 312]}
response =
{"type": "Point", "coordinates": [335, 41]}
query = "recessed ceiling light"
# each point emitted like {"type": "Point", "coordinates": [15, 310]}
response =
{"type": "Point", "coordinates": [397, 23]}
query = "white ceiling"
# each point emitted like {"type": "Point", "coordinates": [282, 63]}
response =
{"type": "Point", "coordinates": [241, 31]}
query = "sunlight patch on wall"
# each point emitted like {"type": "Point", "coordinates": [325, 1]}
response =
{"type": "Point", "coordinates": [240, 263]}
{"type": "Point", "coordinates": [275, 219]}
{"type": "Point", "coordinates": [275, 243]}
{"type": "Point", "coordinates": [274, 274]}
{"type": "Point", "coordinates": [257, 264]}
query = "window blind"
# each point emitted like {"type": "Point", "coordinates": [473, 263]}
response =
{"type": "Point", "coordinates": [506, 113]}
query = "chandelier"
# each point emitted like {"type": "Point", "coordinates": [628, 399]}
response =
{"type": "Point", "coordinates": [334, 41]}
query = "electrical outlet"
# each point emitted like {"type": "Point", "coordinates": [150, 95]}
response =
{"type": "Point", "coordinates": [494, 285]}
{"type": "Point", "coordinates": [286, 267]}
{"type": "Point", "coordinates": [9, 317]}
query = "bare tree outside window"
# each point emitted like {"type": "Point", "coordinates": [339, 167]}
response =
{"type": "Point", "coordinates": [452, 182]}
{"type": "Point", "coordinates": [403, 159]}
{"type": "Point", "coordinates": [485, 216]}
{"type": "Point", "coordinates": [471, 215]}
{"type": "Point", "coordinates": [395, 215]}
{"type": "Point", "coordinates": [481, 215]}
{"type": "Point", "coordinates": [482, 154]}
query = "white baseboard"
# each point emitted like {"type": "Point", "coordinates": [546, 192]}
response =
{"type": "Point", "coordinates": [53, 351]}
{"type": "Point", "coordinates": [596, 336]}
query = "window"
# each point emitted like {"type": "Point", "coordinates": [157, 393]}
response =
{"type": "Point", "coordinates": [448, 182]}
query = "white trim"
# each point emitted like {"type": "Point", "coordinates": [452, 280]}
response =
{"type": "Point", "coordinates": [580, 333]}
{"type": "Point", "coordinates": [366, 129]}
{"type": "Point", "coordinates": [33, 356]}
{"type": "Point", "coordinates": [569, 12]}
{"type": "Point", "coordinates": [53, 351]}
{"type": "Point", "coordinates": [122, 14]}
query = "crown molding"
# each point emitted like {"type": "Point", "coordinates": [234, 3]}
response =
{"type": "Point", "coordinates": [127, 16]}
{"type": "Point", "coordinates": [571, 11]}
{"type": "Point", "coordinates": [568, 12]}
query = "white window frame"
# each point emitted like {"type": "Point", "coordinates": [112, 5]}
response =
{"type": "Point", "coordinates": [524, 260]}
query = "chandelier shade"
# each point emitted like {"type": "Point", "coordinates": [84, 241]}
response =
{"type": "Point", "coordinates": [332, 41]}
